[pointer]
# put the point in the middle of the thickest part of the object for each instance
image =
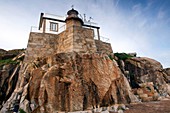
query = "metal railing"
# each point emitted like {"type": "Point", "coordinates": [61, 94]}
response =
{"type": "Point", "coordinates": [104, 39]}
{"type": "Point", "coordinates": [63, 28]}
{"type": "Point", "coordinates": [47, 30]}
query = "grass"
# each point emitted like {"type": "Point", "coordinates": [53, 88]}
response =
{"type": "Point", "coordinates": [7, 61]}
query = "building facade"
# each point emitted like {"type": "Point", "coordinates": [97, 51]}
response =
{"type": "Point", "coordinates": [76, 36]}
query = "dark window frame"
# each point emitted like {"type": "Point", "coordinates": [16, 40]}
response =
{"type": "Point", "coordinates": [53, 26]}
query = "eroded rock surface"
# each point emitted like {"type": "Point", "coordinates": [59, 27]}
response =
{"type": "Point", "coordinates": [8, 79]}
{"type": "Point", "coordinates": [9, 72]}
{"type": "Point", "coordinates": [167, 72]}
{"type": "Point", "coordinates": [146, 70]}
{"type": "Point", "coordinates": [83, 81]}
{"type": "Point", "coordinates": [71, 82]}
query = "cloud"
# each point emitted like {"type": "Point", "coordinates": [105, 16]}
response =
{"type": "Point", "coordinates": [131, 26]}
{"type": "Point", "coordinates": [138, 32]}
{"type": "Point", "coordinates": [117, 3]}
{"type": "Point", "coordinates": [161, 14]}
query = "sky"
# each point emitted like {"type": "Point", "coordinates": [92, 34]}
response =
{"type": "Point", "coordinates": [141, 26]}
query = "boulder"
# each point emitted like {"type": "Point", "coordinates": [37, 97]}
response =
{"type": "Point", "coordinates": [145, 70]}
{"type": "Point", "coordinates": [167, 71]}
{"type": "Point", "coordinates": [167, 74]}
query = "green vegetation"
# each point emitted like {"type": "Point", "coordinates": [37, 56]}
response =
{"type": "Point", "coordinates": [122, 56]}
{"type": "Point", "coordinates": [7, 61]}
{"type": "Point", "coordinates": [110, 56]}
{"type": "Point", "coordinates": [21, 111]}
{"type": "Point", "coordinates": [7, 56]}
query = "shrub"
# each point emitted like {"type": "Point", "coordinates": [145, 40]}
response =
{"type": "Point", "coordinates": [122, 56]}
{"type": "Point", "coordinates": [21, 111]}
{"type": "Point", "coordinates": [110, 56]}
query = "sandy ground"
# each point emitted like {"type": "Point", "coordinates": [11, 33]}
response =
{"type": "Point", "coordinates": [162, 106]}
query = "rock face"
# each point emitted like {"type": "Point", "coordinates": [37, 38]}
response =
{"type": "Point", "coordinates": [9, 72]}
{"type": "Point", "coordinates": [167, 71]}
{"type": "Point", "coordinates": [145, 70]}
{"type": "Point", "coordinates": [80, 81]}
{"type": "Point", "coordinates": [71, 82]}
{"type": "Point", "coordinates": [9, 54]}
{"type": "Point", "coordinates": [2, 51]}
{"type": "Point", "coordinates": [8, 79]}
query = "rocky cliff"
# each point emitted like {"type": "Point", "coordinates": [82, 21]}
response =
{"type": "Point", "coordinates": [80, 81]}
{"type": "Point", "coordinates": [144, 70]}
{"type": "Point", "coordinates": [70, 82]}
{"type": "Point", "coordinates": [146, 76]}
{"type": "Point", "coordinates": [9, 72]}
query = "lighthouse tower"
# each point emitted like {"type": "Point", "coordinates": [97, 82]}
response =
{"type": "Point", "coordinates": [73, 19]}
{"type": "Point", "coordinates": [77, 37]}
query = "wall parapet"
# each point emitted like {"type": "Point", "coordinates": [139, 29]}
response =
{"type": "Point", "coordinates": [103, 47]}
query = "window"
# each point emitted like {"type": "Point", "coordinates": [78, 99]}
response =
{"type": "Point", "coordinates": [53, 26]}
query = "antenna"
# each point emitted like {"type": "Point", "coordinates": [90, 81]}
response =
{"type": "Point", "coordinates": [90, 18]}
{"type": "Point", "coordinates": [84, 17]}
{"type": "Point", "coordinates": [89, 21]}
{"type": "Point", "coordinates": [81, 16]}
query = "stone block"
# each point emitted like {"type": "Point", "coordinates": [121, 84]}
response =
{"type": "Point", "coordinates": [146, 99]}
{"type": "Point", "coordinates": [139, 91]}
{"type": "Point", "coordinates": [89, 39]}
{"type": "Point", "coordinates": [143, 95]}
{"type": "Point", "coordinates": [155, 96]}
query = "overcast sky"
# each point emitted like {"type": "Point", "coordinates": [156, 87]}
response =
{"type": "Point", "coordinates": [141, 26]}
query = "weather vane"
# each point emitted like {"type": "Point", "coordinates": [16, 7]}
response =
{"type": "Point", "coordinates": [72, 6]}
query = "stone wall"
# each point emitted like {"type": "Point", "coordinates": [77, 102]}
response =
{"type": "Point", "coordinates": [83, 40]}
{"type": "Point", "coordinates": [74, 38]}
{"type": "Point", "coordinates": [65, 41]}
{"type": "Point", "coordinates": [103, 47]}
{"type": "Point", "coordinates": [40, 45]}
